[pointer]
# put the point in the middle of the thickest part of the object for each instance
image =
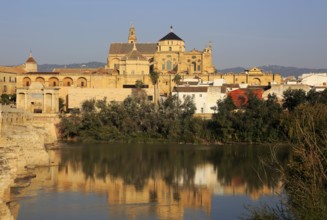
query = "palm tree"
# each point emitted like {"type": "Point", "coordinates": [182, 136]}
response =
{"type": "Point", "coordinates": [154, 79]}
{"type": "Point", "coordinates": [139, 84]}
{"type": "Point", "coordinates": [177, 80]}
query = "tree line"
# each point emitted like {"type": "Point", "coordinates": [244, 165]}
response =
{"type": "Point", "coordinates": [134, 119]}
{"type": "Point", "coordinates": [137, 119]}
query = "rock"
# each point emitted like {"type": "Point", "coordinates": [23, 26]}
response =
{"type": "Point", "coordinates": [22, 148]}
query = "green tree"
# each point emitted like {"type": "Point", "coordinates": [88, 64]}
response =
{"type": "Point", "coordinates": [5, 99]}
{"type": "Point", "coordinates": [177, 79]}
{"type": "Point", "coordinates": [314, 97]}
{"type": "Point", "coordinates": [139, 84]}
{"type": "Point", "coordinates": [293, 98]}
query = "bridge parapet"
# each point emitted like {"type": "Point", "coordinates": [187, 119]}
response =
{"type": "Point", "coordinates": [9, 116]}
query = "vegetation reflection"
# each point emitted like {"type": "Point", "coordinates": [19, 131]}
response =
{"type": "Point", "coordinates": [176, 165]}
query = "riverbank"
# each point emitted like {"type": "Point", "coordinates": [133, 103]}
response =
{"type": "Point", "coordinates": [22, 148]}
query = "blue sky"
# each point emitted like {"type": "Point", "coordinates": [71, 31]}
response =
{"type": "Point", "coordinates": [244, 33]}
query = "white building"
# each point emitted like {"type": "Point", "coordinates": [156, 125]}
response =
{"type": "Point", "coordinates": [317, 80]}
{"type": "Point", "coordinates": [205, 97]}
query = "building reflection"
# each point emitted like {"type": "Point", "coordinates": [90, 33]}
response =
{"type": "Point", "coordinates": [157, 196]}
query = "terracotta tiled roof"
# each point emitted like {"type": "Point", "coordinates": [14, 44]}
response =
{"type": "Point", "coordinates": [13, 69]}
{"type": "Point", "coordinates": [83, 70]}
{"type": "Point", "coordinates": [135, 55]}
{"type": "Point", "coordinates": [30, 60]}
{"type": "Point", "coordinates": [171, 36]}
{"type": "Point", "coordinates": [191, 89]}
{"type": "Point", "coordinates": [42, 73]}
{"type": "Point", "coordinates": [125, 48]}
{"type": "Point", "coordinates": [74, 70]}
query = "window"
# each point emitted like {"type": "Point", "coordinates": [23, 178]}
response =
{"type": "Point", "coordinates": [194, 66]}
{"type": "Point", "coordinates": [201, 110]}
{"type": "Point", "coordinates": [54, 84]}
{"type": "Point", "coordinates": [200, 95]}
{"type": "Point", "coordinates": [169, 48]}
{"type": "Point", "coordinates": [4, 89]}
{"type": "Point", "coordinates": [163, 66]}
{"type": "Point", "coordinates": [168, 65]}
{"type": "Point", "coordinates": [68, 83]}
{"type": "Point", "coordinates": [27, 83]}
{"type": "Point", "coordinates": [82, 84]}
{"type": "Point", "coordinates": [193, 95]}
{"type": "Point", "coordinates": [4, 79]}
{"type": "Point", "coordinates": [199, 68]}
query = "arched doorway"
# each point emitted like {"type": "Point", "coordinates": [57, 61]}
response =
{"type": "Point", "coordinates": [256, 82]}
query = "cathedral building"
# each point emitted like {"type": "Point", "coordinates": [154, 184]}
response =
{"type": "Point", "coordinates": [167, 56]}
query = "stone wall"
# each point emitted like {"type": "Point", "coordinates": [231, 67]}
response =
{"type": "Point", "coordinates": [22, 147]}
{"type": "Point", "coordinates": [10, 116]}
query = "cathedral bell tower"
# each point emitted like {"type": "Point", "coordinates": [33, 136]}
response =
{"type": "Point", "coordinates": [132, 35]}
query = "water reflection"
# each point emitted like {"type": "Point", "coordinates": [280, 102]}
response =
{"type": "Point", "coordinates": [155, 180]}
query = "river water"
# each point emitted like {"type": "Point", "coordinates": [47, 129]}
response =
{"type": "Point", "coordinates": [153, 181]}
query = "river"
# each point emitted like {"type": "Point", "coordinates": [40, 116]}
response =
{"type": "Point", "coordinates": [151, 181]}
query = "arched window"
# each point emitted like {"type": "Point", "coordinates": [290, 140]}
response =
{"type": "Point", "coordinates": [54, 81]}
{"type": "Point", "coordinates": [26, 81]}
{"type": "Point", "coordinates": [81, 82]}
{"type": "Point", "coordinates": [67, 81]}
{"type": "Point", "coordinates": [168, 65]}
{"type": "Point", "coordinates": [40, 79]}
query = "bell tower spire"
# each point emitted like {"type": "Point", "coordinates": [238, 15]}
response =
{"type": "Point", "coordinates": [132, 35]}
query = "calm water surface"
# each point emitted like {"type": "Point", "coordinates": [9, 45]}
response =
{"type": "Point", "coordinates": [126, 181]}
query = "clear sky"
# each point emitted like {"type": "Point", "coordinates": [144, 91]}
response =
{"type": "Point", "coordinates": [244, 33]}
